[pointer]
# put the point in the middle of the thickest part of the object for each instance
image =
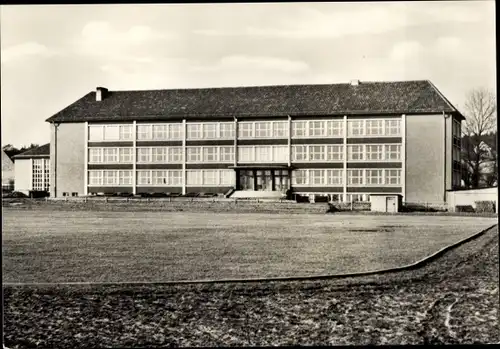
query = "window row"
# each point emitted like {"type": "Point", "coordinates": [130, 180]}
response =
{"type": "Point", "coordinates": [249, 129]}
{"type": "Point", "coordinates": [110, 155]}
{"type": "Point", "coordinates": [373, 152]}
{"type": "Point", "coordinates": [355, 177]}
{"type": "Point", "coordinates": [456, 129]}
{"type": "Point", "coordinates": [40, 174]}
{"type": "Point", "coordinates": [193, 177]}
{"type": "Point", "coordinates": [110, 177]}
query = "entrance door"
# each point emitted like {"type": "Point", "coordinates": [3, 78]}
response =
{"type": "Point", "coordinates": [390, 204]}
{"type": "Point", "coordinates": [246, 180]}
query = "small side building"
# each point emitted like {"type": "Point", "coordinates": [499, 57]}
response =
{"type": "Point", "coordinates": [390, 203]}
{"type": "Point", "coordinates": [32, 171]}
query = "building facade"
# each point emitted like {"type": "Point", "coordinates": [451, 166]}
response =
{"type": "Point", "coordinates": [32, 170]}
{"type": "Point", "coordinates": [346, 141]}
{"type": "Point", "coordinates": [7, 172]}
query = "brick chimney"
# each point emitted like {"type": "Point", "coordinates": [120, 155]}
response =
{"type": "Point", "coordinates": [100, 93]}
{"type": "Point", "coordinates": [354, 82]}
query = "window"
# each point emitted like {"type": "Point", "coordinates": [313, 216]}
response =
{"type": "Point", "coordinates": [175, 177]}
{"type": "Point", "coordinates": [374, 152]}
{"type": "Point", "coordinates": [143, 177]}
{"type": "Point", "coordinates": [143, 154]}
{"type": "Point", "coordinates": [110, 177]}
{"type": "Point", "coordinates": [210, 154]}
{"type": "Point", "coordinates": [393, 152]}
{"type": "Point", "coordinates": [299, 177]}
{"type": "Point", "coordinates": [299, 153]}
{"type": "Point", "coordinates": [316, 128]}
{"type": "Point", "coordinates": [374, 127]}
{"type": "Point", "coordinates": [175, 131]}
{"type": "Point", "coordinates": [111, 133]}
{"type": "Point", "coordinates": [125, 155]}
{"type": "Point", "coordinates": [245, 130]}
{"type": "Point", "coordinates": [316, 177]}
{"type": "Point", "coordinates": [210, 177]}
{"type": "Point", "coordinates": [226, 154]}
{"type": "Point", "coordinates": [245, 154]}
{"type": "Point", "coordinates": [159, 155]}
{"type": "Point", "coordinates": [95, 155]}
{"type": "Point", "coordinates": [95, 177]}
{"type": "Point", "coordinates": [193, 131]}
{"type": "Point", "coordinates": [335, 152]}
{"type": "Point", "coordinates": [194, 154]}
{"type": "Point", "coordinates": [144, 132]}
{"type": "Point", "coordinates": [125, 132]}
{"type": "Point", "coordinates": [37, 178]}
{"type": "Point", "coordinates": [374, 177]}
{"type": "Point", "coordinates": [263, 153]}
{"type": "Point", "coordinates": [392, 127]}
{"type": "Point", "coordinates": [46, 174]}
{"type": "Point", "coordinates": [355, 152]}
{"type": "Point", "coordinates": [125, 178]}
{"type": "Point", "coordinates": [160, 132]}
{"type": "Point", "coordinates": [355, 177]}
{"type": "Point", "coordinates": [280, 153]}
{"type": "Point", "coordinates": [226, 177]}
{"type": "Point", "coordinates": [355, 197]}
{"type": "Point", "coordinates": [174, 154]}
{"type": "Point", "coordinates": [110, 155]}
{"type": "Point", "coordinates": [159, 177]}
{"type": "Point", "coordinates": [226, 130]}
{"type": "Point", "coordinates": [393, 177]}
{"type": "Point", "coordinates": [334, 177]}
{"type": "Point", "coordinates": [356, 127]}
{"type": "Point", "coordinates": [96, 133]}
{"type": "Point", "coordinates": [263, 129]}
{"type": "Point", "coordinates": [280, 129]}
{"type": "Point", "coordinates": [209, 131]}
{"type": "Point", "coordinates": [299, 128]}
{"type": "Point", "coordinates": [316, 153]}
{"type": "Point", "coordinates": [334, 128]}
{"type": "Point", "coordinates": [194, 177]}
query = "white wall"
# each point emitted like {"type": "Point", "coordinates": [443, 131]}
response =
{"type": "Point", "coordinates": [22, 174]}
{"type": "Point", "coordinates": [469, 197]}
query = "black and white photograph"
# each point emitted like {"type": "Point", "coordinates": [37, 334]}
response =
{"type": "Point", "coordinates": [262, 174]}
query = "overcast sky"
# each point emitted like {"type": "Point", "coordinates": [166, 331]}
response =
{"type": "Point", "coordinates": [53, 55]}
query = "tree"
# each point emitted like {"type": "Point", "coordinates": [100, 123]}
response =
{"type": "Point", "coordinates": [480, 123]}
{"type": "Point", "coordinates": [11, 151]}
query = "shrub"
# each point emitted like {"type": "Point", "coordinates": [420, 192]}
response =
{"type": "Point", "coordinates": [464, 208]}
{"type": "Point", "coordinates": [485, 206]}
{"type": "Point", "coordinates": [321, 198]}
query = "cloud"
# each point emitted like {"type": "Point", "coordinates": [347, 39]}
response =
{"type": "Point", "coordinates": [405, 50]}
{"type": "Point", "coordinates": [102, 40]}
{"type": "Point", "coordinates": [239, 62]}
{"type": "Point", "coordinates": [24, 50]}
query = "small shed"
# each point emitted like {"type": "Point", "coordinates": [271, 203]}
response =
{"type": "Point", "coordinates": [386, 202]}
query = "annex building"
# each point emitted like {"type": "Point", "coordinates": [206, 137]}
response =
{"type": "Point", "coordinates": [346, 141]}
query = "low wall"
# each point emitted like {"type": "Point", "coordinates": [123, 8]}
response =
{"type": "Point", "coordinates": [183, 204]}
{"type": "Point", "coordinates": [469, 197]}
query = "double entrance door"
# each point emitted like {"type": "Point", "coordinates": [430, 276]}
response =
{"type": "Point", "coordinates": [263, 180]}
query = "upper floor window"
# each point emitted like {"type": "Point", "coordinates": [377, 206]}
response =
{"type": "Point", "coordinates": [316, 128]}
{"type": "Point", "coordinates": [280, 153]}
{"type": "Point", "coordinates": [245, 130]}
{"type": "Point", "coordinates": [374, 152]}
{"type": "Point", "coordinates": [226, 130]}
{"type": "Point", "coordinates": [143, 154]}
{"type": "Point", "coordinates": [299, 153]}
{"type": "Point", "coordinates": [210, 154]}
{"type": "Point", "coordinates": [334, 128]}
{"type": "Point", "coordinates": [356, 127]}
{"type": "Point", "coordinates": [392, 127]}
{"type": "Point", "coordinates": [209, 131]}
{"type": "Point", "coordinates": [144, 132]}
{"type": "Point", "coordinates": [374, 177]}
{"type": "Point", "coordinates": [245, 154]}
{"type": "Point", "coordinates": [194, 154]}
{"type": "Point", "coordinates": [393, 177]}
{"type": "Point", "coordinates": [227, 154]}
{"type": "Point", "coordinates": [174, 154]}
{"type": "Point", "coordinates": [280, 129]}
{"type": "Point", "coordinates": [355, 152]}
{"type": "Point", "coordinates": [316, 153]}
{"type": "Point", "coordinates": [374, 127]}
{"type": "Point", "coordinates": [263, 129]}
{"type": "Point", "coordinates": [335, 152]}
{"type": "Point", "coordinates": [355, 177]}
{"type": "Point", "coordinates": [263, 153]}
{"type": "Point", "coordinates": [194, 131]}
{"type": "Point", "coordinates": [299, 128]}
{"type": "Point", "coordinates": [392, 152]}
{"type": "Point", "coordinates": [334, 177]}
{"type": "Point", "coordinates": [299, 177]}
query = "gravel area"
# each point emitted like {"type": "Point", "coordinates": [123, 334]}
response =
{"type": "Point", "coordinates": [453, 300]}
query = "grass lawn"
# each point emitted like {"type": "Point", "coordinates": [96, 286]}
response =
{"type": "Point", "coordinates": [59, 246]}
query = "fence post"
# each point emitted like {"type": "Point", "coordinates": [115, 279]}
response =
{"type": "Point", "coordinates": [106, 199]}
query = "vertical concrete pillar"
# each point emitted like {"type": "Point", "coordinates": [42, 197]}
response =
{"type": "Point", "coordinates": [344, 157]}
{"type": "Point", "coordinates": [134, 157]}
{"type": "Point", "coordinates": [184, 156]}
{"type": "Point", "coordinates": [403, 156]}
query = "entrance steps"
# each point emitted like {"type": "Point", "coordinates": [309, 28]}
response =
{"type": "Point", "coordinates": [252, 194]}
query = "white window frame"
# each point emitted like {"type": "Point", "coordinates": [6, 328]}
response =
{"type": "Point", "coordinates": [144, 132]}
{"type": "Point", "coordinates": [334, 177]}
{"type": "Point", "coordinates": [174, 155]}
{"type": "Point", "coordinates": [388, 176]}
{"type": "Point", "coordinates": [392, 127]}
{"type": "Point", "coordinates": [214, 154]}
{"type": "Point", "coordinates": [209, 130]}
{"type": "Point", "coordinates": [374, 127]}
{"type": "Point", "coordinates": [263, 153]}
{"type": "Point", "coordinates": [360, 176]}
{"type": "Point", "coordinates": [95, 177]}
{"type": "Point", "coordinates": [317, 177]}
{"type": "Point", "coordinates": [360, 151]}
{"type": "Point", "coordinates": [334, 128]}
{"type": "Point", "coordinates": [280, 129]}
{"type": "Point", "coordinates": [313, 153]}
{"type": "Point", "coordinates": [251, 152]}
{"type": "Point", "coordinates": [339, 152]}
{"type": "Point", "coordinates": [194, 131]}
{"type": "Point", "coordinates": [144, 152]}
{"type": "Point", "coordinates": [226, 154]}
{"type": "Point", "coordinates": [194, 154]}
{"type": "Point", "coordinates": [246, 130]}
{"type": "Point", "coordinates": [360, 127]}
{"type": "Point", "coordinates": [110, 155]}
{"type": "Point", "coordinates": [144, 177]}
{"type": "Point", "coordinates": [304, 157]}
{"type": "Point", "coordinates": [159, 155]}
{"type": "Point", "coordinates": [226, 130]}
{"type": "Point", "coordinates": [303, 129]}
{"type": "Point", "coordinates": [305, 177]}
{"type": "Point", "coordinates": [377, 155]}
{"type": "Point", "coordinates": [98, 155]}
{"type": "Point", "coordinates": [387, 152]}
{"type": "Point", "coordinates": [371, 180]}
{"type": "Point", "coordinates": [263, 129]}
{"type": "Point", "coordinates": [125, 155]}
{"type": "Point", "coordinates": [316, 129]}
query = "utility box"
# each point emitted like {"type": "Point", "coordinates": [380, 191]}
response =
{"type": "Point", "coordinates": [386, 202]}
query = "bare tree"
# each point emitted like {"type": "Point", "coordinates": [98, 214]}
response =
{"type": "Point", "coordinates": [481, 121]}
